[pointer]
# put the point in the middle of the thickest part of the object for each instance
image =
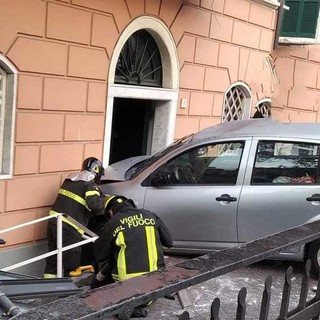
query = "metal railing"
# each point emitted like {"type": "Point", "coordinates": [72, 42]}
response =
{"type": "Point", "coordinates": [60, 249]}
{"type": "Point", "coordinates": [305, 309]}
{"type": "Point", "coordinates": [112, 299]}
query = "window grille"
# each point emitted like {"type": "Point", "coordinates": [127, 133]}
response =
{"type": "Point", "coordinates": [234, 104]}
{"type": "Point", "coordinates": [2, 112]}
{"type": "Point", "coordinates": [263, 110]}
{"type": "Point", "coordinates": [301, 20]}
{"type": "Point", "coordinates": [139, 62]}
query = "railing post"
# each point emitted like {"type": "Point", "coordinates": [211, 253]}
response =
{"type": "Point", "coordinates": [286, 295]}
{"type": "Point", "coordinates": [215, 308]}
{"type": "Point", "coordinates": [241, 309]}
{"type": "Point", "coordinates": [184, 316]}
{"type": "Point", "coordinates": [266, 295]}
{"type": "Point", "coordinates": [304, 286]}
{"type": "Point", "coordinates": [59, 246]}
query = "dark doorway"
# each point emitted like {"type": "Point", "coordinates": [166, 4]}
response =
{"type": "Point", "coordinates": [132, 125]}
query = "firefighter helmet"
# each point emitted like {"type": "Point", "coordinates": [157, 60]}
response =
{"type": "Point", "coordinates": [95, 166]}
{"type": "Point", "coordinates": [116, 202]}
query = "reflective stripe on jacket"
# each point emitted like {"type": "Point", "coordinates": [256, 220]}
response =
{"type": "Point", "coordinates": [64, 219]}
{"type": "Point", "coordinates": [79, 199]}
{"type": "Point", "coordinates": [133, 239]}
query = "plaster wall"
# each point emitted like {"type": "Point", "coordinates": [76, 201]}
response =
{"type": "Point", "coordinates": [62, 51]}
{"type": "Point", "coordinates": [296, 97]}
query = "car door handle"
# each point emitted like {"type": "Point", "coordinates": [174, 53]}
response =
{"type": "Point", "coordinates": [2, 241]}
{"type": "Point", "coordinates": [226, 197]}
{"type": "Point", "coordinates": [314, 197]}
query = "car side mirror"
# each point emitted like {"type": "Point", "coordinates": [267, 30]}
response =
{"type": "Point", "coordinates": [160, 179]}
{"type": "Point", "coordinates": [2, 241]}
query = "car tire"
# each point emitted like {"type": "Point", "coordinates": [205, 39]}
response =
{"type": "Point", "coordinates": [313, 254]}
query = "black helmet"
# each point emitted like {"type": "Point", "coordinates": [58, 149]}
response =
{"type": "Point", "coordinates": [115, 203]}
{"type": "Point", "coordinates": [95, 166]}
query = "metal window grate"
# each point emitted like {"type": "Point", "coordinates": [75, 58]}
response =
{"type": "Point", "coordinates": [139, 62]}
{"type": "Point", "coordinates": [2, 112]}
{"type": "Point", "coordinates": [234, 104]}
{"type": "Point", "coordinates": [264, 109]}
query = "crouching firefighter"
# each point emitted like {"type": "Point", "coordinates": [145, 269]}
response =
{"type": "Point", "coordinates": [131, 245]}
{"type": "Point", "coordinates": [79, 197]}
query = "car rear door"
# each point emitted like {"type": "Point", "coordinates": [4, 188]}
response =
{"type": "Point", "coordinates": [201, 211]}
{"type": "Point", "coordinates": [280, 187]}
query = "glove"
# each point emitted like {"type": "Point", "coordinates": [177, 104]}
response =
{"type": "Point", "coordinates": [100, 280]}
{"type": "Point", "coordinates": [95, 283]}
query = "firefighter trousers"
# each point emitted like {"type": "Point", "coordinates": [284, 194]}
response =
{"type": "Point", "coordinates": [70, 258]}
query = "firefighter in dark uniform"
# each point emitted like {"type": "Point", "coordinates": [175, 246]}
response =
{"type": "Point", "coordinates": [131, 244]}
{"type": "Point", "coordinates": [79, 197]}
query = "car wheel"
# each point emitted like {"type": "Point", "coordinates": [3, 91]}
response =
{"type": "Point", "coordinates": [314, 256]}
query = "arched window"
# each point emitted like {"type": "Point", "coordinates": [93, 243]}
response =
{"type": "Point", "coordinates": [263, 109]}
{"type": "Point", "coordinates": [139, 62]}
{"type": "Point", "coordinates": [7, 98]}
{"type": "Point", "coordinates": [237, 102]}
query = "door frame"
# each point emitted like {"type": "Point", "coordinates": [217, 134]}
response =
{"type": "Point", "coordinates": [165, 114]}
{"type": "Point", "coordinates": [166, 98]}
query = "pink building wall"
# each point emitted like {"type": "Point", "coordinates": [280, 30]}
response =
{"type": "Point", "coordinates": [296, 97]}
{"type": "Point", "coordinates": [62, 50]}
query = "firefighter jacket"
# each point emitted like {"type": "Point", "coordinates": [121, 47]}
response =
{"type": "Point", "coordinates": [132, 242]}
{"type": "Point", "coordinates": [80, 198]}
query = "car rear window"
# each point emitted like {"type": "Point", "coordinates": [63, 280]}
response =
{"type": "Point", "coordinates": [285, 162]}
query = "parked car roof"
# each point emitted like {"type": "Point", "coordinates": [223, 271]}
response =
{"type": "Point", "coordinates": [265, 127]}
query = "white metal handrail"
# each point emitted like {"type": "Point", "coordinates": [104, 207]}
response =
{"type": "Point", "coordinates": [59, 249]}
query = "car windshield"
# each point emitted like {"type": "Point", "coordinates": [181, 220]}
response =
{"type": "Point", "coordinates": [148, 162]}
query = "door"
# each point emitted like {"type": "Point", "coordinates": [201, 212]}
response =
{"type": "Point", "coordinates": [199, 205]}
{"type": "Point", "coordinates": [132, 127]}
{"type": "Point", "coordinates": [281, 189]}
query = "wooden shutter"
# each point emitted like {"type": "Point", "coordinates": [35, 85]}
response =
{"type": "Point", "coordinates": [290, 18]}
{"type": "Point", "coordinates": [309, 19]}
{"type": "Point", "coordinates": [301, 20]}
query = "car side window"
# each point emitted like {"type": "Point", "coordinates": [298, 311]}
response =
{"type": "Point", "coordinates": [208, 164]}
{"type": "Point", "coordinates": [284, 162]}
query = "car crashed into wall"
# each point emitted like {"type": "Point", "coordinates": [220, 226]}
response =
{"type": "Point", "coordinates": [229, 184]}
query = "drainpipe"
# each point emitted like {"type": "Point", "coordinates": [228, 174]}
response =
{"type": "Point", "coordinates": [7, 306]}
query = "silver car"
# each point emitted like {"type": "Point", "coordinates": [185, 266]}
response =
{"type": "Point", "coordinates": [229, 184]}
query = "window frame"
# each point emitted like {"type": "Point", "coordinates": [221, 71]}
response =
{"type": "Point", "coordinates": [3, 93]}
{"type": "Point", "coordinates": [268, 3]}
{"type": "Point", "coordinates": [142, 51]}
{"type": "Point", "coordinates": [283, 156]}
{"type": "Point", "coordinates": [183, 160]}
{"type": "Point", "coordinates": [246, 105]}
{"type": "Point", "coordinates": [8, 127]}
{"type": "Point", "coordinates": [260, 104]}
{"type": "Point", "coordinates": [301, 40]}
